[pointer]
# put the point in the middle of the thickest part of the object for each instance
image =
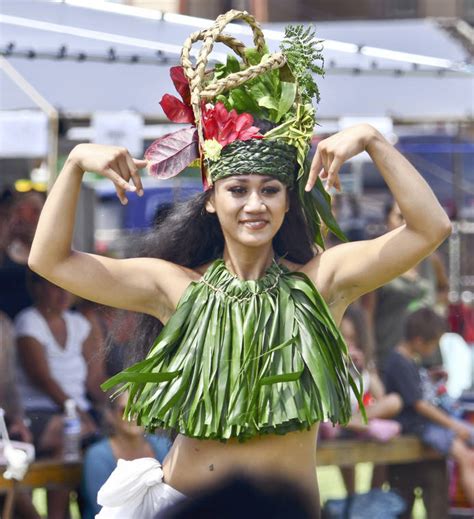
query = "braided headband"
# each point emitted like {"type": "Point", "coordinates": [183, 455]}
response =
{"type": "Point", "coordinates": [253, 116]}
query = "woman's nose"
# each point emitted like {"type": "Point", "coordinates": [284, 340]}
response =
{"type": "Point", "coordinates": [254, 202]}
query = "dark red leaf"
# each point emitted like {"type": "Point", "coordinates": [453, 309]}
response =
{"type": "Point", "coordinates": [172, 153]}
{"type": "Point", "coordinates": [176, 110]}
{"type": "Point", "coordinates": [181, 83]}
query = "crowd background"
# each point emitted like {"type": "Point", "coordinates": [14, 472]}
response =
{"type": "Point", "coordinates": [54, 347]}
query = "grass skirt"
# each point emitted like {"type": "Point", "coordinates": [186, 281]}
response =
{"type": "Point", "coordinates": [241, 358]}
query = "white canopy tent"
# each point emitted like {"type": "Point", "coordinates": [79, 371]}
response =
{"type": "Point", "coordinates": [408, 70]}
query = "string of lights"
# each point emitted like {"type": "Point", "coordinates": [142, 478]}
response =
{"type": "Point", "coordinates": [409, 59]}
{"type": "Point", "coordinates": [161, 58]}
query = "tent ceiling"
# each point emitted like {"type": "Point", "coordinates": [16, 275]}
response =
{"type": "Point", "coordinates": [84, 87]}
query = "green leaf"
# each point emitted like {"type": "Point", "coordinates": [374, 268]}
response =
{"type": "Point", "coordinates": [302, 52]}
{"type": "Point", "coordinates": [268, 102]}
{"type": "Point", "coordinates": [243, 102]}
{"type": "Point", "coordinates": [232, 65]}
{"type": "Point", "coordinates": [288, 94]}
{"type": "Point", "coordinates": [252, 55]}
{"type": "Point", "coordinates": [322, 200]}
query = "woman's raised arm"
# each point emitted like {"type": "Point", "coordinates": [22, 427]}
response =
{"type": "Point", "coordinates": [352, 269]}
{"type": "Point", "coordinates": [140, 284]}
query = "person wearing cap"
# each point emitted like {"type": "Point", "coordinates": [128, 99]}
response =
{"type": "Point", "coordinates": [250, 358]}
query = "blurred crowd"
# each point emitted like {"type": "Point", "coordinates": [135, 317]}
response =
{"type": "Point", "coordinates": [55, 347]}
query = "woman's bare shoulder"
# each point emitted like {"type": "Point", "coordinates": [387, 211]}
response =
{"type": "Point", "coordinates": [318, 272]}
{"type": "Point", "coordinates": [291, 265]}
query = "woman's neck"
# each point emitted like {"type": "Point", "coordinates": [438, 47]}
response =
{"type": "Point", "coordinates": [248, 263]}
{"type": "Point", "coordinates": [48, 313]}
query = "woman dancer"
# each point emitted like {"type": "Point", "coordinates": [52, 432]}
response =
{"type": "Point", "coordinates": [250, 358]}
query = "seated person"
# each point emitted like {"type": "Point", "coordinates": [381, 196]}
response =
{"type": "Point", "coordinates": [9, 399]}
{"type": "Point", "coordinates": [52, 344]}
{"type": "Point", "coordinates": [126, 441]}
{"type": "Point", "coordinates": [14, 415]}
{"type": "Point", "coordinates": [380, 407]}
{"type": "Point", "coordinates": [419, 416]}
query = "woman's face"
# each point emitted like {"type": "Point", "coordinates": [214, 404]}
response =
{"type": "Point", "coordinates": [250, 208]}
{"type": "Point", "coordinates": [55, 298]}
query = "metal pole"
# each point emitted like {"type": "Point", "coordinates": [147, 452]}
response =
{"type": "Point", "coordinates": [46, 107]}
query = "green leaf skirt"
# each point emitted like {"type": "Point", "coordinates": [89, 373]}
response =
{"type": "Point", "coordinates": [242, 358]}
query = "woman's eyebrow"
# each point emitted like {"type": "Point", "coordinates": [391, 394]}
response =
{"type": "Point", "coordinates": [244, 180]}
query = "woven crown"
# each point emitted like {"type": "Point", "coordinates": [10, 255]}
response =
{"type": "Point", "coordinates": [254, 116]}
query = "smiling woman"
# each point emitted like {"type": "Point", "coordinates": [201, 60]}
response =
{"type": "Point", "coordinates": [250, 358]}
{"type": "Point", "coordinates": [250, 208]}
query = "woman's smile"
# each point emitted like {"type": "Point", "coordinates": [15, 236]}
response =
{"type": "Point", "coordinates": [254, 224]}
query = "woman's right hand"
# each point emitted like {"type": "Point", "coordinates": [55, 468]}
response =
{"type": "Point", "coordinates": [113, 162]}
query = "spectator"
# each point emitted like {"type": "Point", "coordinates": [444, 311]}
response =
{"type": "Point", "coordinates": [19, 214]}
{"type": "Point", "coordinates": [53, 345]}
{"type": "Point", "coordinates": [126, 441]}
{"type": "Point", "coordinates": [380, 407]}
{"type": "Point", "coordinates": [26, 212]}
{"type": "Point", "coordinates": [391, 303]}
{"type": "Point", "coordinates": [419, 416]}
{"type": "Point", "coordinates": [9, 398]}
{"type": "Point", "coordinates": [113, 330]}
{"type": "Point", "coordinates": [10, 402]}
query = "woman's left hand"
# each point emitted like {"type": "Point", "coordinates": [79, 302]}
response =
{"type": "Point", "coordinates": [332, 152]}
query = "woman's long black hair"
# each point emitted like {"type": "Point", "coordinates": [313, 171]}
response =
{"type": "Point", "coordinates": [190, 236]}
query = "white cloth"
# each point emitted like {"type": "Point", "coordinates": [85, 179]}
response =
{"type": "Point", "coordinates": [66, 365]}
{"type": "Point", "coordinates": [457, 360]}
{"type": "Point", "coordinates": [136, 489]}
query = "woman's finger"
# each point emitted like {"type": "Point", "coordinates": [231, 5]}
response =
{"type": "Point", "coordinates": [140, 163]}
{"type": "Point", "coordinates": [133, 169]}
{"type": "Point", "coordinates": [121, 186]}
{"type": "Point", "coordinates": [333, 173]}
{"type": "Point", "coordinates": [122, 168]}
{"type": "Point", "coordinates": [327, 160]}
{"type": "Point", "coordinates": [316, 166]}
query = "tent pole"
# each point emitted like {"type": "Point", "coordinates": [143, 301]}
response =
{"type": "Point", "coordinates": [47, 108]}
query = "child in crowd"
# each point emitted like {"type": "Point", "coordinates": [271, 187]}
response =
{"type": "Point", "coordinates": [419, 416]}
{"type": "Point", "coordinates": [126, 441]}
{"type": "Point", "coordinates": [380, 407]}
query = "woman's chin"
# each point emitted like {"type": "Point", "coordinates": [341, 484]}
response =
{"type": "Point", "coordinates": [256, 237]}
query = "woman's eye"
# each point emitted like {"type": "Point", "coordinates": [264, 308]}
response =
{"type": "Point", "coordinates": [237, 190]}
{"type": "Point", "coordinates": [271, 190]}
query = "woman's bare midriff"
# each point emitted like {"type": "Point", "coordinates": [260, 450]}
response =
{"type": "Point", "coordinates": [193, 464]}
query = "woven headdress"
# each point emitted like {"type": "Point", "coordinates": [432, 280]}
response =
{"type": "Point", "coordinates": [254, 116]}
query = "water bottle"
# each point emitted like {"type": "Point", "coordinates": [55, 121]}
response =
{"type": "Point", "coordinates": [72, 432]}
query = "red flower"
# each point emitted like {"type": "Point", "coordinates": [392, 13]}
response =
{"type": "Point", "coordinates": [227, 127]}
{"type": "Point", "coordinates": [176, 110]}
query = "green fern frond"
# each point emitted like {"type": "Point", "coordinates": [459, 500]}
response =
{"type": "Point", "coordinates": [303, 52]}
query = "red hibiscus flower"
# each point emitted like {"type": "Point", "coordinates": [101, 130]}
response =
{"type": "Point", "coordinates": [176, 110]}
{"type": "Point", "coordinates": [226, 127]}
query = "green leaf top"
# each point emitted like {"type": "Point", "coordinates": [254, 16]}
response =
{"type": "Point", "coordinates": [302, 52]}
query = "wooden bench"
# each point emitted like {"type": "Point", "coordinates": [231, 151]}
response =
{"type": "Point", "coordinates": [409, 465]}
{"type": "Point", "coordinates": [41, 474]}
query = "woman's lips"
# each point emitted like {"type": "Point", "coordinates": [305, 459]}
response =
{"type": "Point", "coordinates": [254, 224]}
